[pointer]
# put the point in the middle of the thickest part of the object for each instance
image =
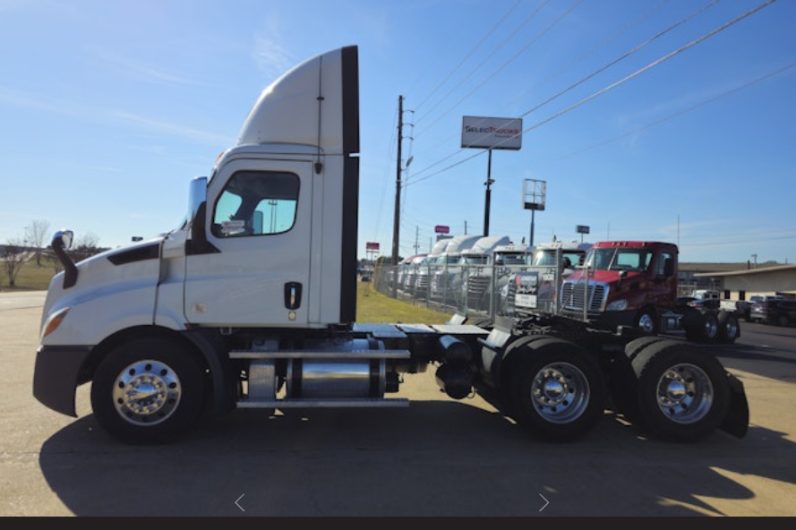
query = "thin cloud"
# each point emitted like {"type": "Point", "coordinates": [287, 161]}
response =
{"type": "Point", "coordinates": [142, 72]}
{"type": "Point", "coordinates": [172, 129]}
{"type": "Point", "coordinates": [269, 54]}
{"type": "Point", "coordinates": [18, 98]}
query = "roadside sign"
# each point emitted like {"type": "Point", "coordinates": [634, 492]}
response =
{"type": "Point", "coordinates": [491, 133]}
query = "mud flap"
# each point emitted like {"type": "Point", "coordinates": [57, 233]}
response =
{"type": "Point", "coordinates": [736, 422]}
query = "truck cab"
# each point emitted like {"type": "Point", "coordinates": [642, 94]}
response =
{"type": "Point", "coordinates": [445, 278]}
{"type": "Point", "coordinates": [418, 279]}
{"type": "Point", "coordinates": [623, 283]}
{"type": "Point", "coordinates": [477, 270]}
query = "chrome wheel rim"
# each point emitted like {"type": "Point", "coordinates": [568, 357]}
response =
{"type": "Point", "coordinates": [731, 329]}
{"type": "Point", "coordinates": [685, 393]}
{"type": "Point", "coordinates": [646, 323]}
{"type": "Point", "coordinates": [147, 392]}
{"type": "Point", "coordinates": [560, 393]}
{"type": "Point", "coordinates": [711, 328]}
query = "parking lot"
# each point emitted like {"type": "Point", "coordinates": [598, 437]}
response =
{"type": "Point", "coordinates": [438, 457]}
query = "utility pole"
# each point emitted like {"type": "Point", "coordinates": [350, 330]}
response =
{"type": "Point", "coordinates": [397, 216]}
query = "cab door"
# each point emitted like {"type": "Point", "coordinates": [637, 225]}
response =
{"type": "Point", "coordinates": [256, 269]}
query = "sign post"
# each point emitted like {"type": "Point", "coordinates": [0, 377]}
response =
{"type": "Point", "coordinates": [534, 193]}
{"type": "Point", "coordinates": [581, 229]}
{"type": "Point", "coordinates": [491, 133]}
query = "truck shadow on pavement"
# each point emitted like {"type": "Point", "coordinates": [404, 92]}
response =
{"type": "Point", "coordinates": [436, 458]}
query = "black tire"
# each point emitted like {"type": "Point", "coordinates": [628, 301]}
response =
{"type": "Point", "coordinates": [729, 329]}
{"type": "Point", "coordinates": [702, 327]}
{"type": "Point", "coordinates": [513, 352]}
{"type": "Point", "coordinates": [622, 379]}
{"type": "Point", "coordinates": [683, 393]}
{"type": "Point", "coordinates": [647, 321]}
{"type": "Point", "coordinates": [168, 377]}
{"type": "Point", "coordinates": [557, 389]}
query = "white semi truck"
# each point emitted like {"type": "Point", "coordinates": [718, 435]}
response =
{"type": "Point", "coordinates": [251, 303]}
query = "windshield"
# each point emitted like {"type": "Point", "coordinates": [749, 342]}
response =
{"type": "Point", "coordinates": [474, 260]}
{"type": "Point", "coordinates": [547, 258]}
{"type": "Point", "coordinates": [513, 259]}
{"type": "Point", "coordinates": [619, 259]}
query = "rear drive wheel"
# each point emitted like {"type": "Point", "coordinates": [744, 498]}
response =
{"type": "Point", "coordinates": [622, 379]}
{"type": "Point", "coordinates": [729, 329]}
{"type": "Point", "coordinates": [703, 327]}
{"type": "Point", "coordinates": [147, 391]}
{"type": "Point", "coordinates": [683, 393]}
{"type": "Point", "coordinates": [557, 389]}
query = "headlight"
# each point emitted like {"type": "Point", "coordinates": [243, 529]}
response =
{"type": "Point", "coordinates": [617, 305]}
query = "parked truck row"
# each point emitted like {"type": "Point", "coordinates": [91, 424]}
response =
{"type": "Point", "coordinates": [243, 307]}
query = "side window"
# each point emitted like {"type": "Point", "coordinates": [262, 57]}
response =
{"type": "Point", "coordinates": [256, 203]}
{"type": "Point", "coordinates": [663, 259]}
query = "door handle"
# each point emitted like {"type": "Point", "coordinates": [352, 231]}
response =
{"type": "Point", "coordinates": [292, 295]}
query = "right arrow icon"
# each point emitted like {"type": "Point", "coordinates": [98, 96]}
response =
{"type": "Point", "coordinates": [546, 502]}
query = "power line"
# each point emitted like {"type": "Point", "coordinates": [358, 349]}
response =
{"type": "Point", "coordinates": [478, 45]}
{"type": "Point", "coordinates": [563, 69]}
{"type": "Point", "coordinates": [612, 63]}
{"type": "Point", "coordinates": [505, 64]}
{"type": "Point", "coordinates": [604, 90]}
{"type": "Point", "coordinates": [682, 112]}
{"type": "Point", "coordinates": [483, 62]}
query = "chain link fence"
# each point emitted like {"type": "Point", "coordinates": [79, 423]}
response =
{"type": "Point", "coordinates": [475, 291]}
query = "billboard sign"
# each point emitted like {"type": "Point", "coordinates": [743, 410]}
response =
{"type": "Point", "coordinates": [371, 246]}
{"type": "Point", "coordinates": [491, 133]}
{"type": "Point", "coordinates": [442, 229]}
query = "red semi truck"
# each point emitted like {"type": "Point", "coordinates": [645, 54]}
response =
{"type": "Point", "coordinates": [634, 283]}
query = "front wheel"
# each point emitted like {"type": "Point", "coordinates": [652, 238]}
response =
{"type": "Point", "coordinates": [683, 393]}
{"type": "Point", "coordinates": [147, 391]}
{"type": "Point", "coordinates": [557, 390]}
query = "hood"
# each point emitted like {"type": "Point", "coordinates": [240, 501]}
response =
{"type": "Point", "coordinates": [601, 276]}
{"type": "Point", "coordinates": [130, 267]}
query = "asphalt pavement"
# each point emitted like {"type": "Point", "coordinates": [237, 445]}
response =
{"type": "Point", "coordinates": [438, 457]}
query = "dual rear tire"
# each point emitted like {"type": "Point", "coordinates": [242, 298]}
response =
{"type": "Point", "coordinates": [555, 388]}
{"type": "Point", "coordinates": [674, 389]}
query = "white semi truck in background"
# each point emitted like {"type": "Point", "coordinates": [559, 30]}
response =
{"type": "Point", "coordinates": [251, 303]}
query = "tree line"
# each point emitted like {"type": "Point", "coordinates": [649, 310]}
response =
{"type": "Point", "coordinates": [34, 245]}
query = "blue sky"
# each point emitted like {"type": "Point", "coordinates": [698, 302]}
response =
{"type": "Point", "coordinates": [646, 119]}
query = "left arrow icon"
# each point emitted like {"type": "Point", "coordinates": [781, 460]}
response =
{"type": "Point", "coordinates": [238, 505]}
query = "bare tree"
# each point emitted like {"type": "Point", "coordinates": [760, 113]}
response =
{"type": "Point", "coordinates": [86, 246]}
{"type": "Point", "coordinates": [15, 256]}
{"type": "Point", "coordinates": [36, 235]}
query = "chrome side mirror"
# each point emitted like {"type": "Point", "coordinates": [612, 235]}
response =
{"type": "Point", "coordinates": [61, 241]}
{"type": "Point", "coordinates": [63, 238]}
